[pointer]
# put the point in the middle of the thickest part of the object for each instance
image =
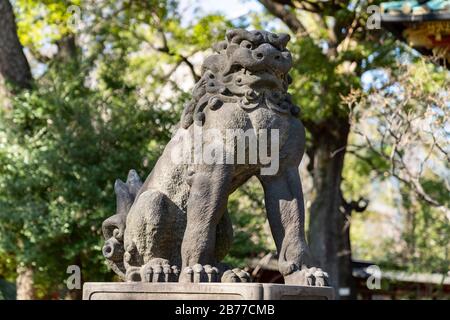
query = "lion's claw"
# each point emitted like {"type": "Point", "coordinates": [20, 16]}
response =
{"type": "Point", "coordinates": [133, 274]}
{"type": "Point", "coordinates": [236, 275]}
{"type": "Point", "coordinates": [156, 270]}
{"type": "Point", "coordinates": [308, 277]}
{"type": "Point", "coordinates": [199, 273]}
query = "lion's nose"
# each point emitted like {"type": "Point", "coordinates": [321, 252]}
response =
{"type": "Point", "coordinates": [266, 53]}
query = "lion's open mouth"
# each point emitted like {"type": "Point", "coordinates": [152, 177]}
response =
{"type": "Point", "coordinates": [262, 79]}
{"type": "Point", "coordinates": [266, 79]}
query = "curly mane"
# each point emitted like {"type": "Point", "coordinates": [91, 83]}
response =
{"type": "Point", "coordinates": [222, 79]}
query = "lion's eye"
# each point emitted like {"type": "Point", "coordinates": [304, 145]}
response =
{"type": "Point", "coordinates": [246, 44]}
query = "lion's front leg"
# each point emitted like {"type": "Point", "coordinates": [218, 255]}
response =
{"type": "Point", "coordinates": [206, 205]}
{"type": "Point", "coordinates": [285, 211]}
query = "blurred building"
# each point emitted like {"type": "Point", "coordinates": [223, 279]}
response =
{"type": "Point", "coordinates": [370, 285]}
{"type": "Point", "coordinates": [422, 24]}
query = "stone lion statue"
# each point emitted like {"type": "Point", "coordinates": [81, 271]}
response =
{"type": "Point", "coordinates": [175, 226]}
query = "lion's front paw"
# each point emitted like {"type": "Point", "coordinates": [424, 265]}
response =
{"type": "Point", "coordinates": [199, 273]}
{"type": "Point", "coordinates": [236, 275]}
{"type": "Point", "coordinates": [307, 277]}
{"type": "Point", "coordinates": [159, 270]}
{"type": "Point", "coordinates": [156, 270]}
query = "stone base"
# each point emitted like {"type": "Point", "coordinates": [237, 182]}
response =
{"type": "Point", "coordinates": [202, 291]}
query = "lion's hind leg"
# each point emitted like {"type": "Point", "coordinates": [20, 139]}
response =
{"type": "Point", "coordinates": [149, 238]}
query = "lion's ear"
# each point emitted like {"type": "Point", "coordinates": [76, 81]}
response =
{"type": "Point", "coordinates": [212, 63]}
{"type": "Point", "coordinates": [237, 35]}
{"type": "Point", "coordinates": [219, 46]}
{"type": "Point", "coordinates": [284, 39]}
{"type": "Point", "coordinates": [231, 34]}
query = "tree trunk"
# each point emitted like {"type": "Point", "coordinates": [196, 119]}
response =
{"type": "Point", "coordinates": [14, 66]}
{"type": "Point", "coordinates": [25, 283]}
{"type": "Point", "coordinates": [67, 49]}
{"type": "Point", "coordinates": [329, 226]}
{"type": "Point", "coordinates": [15, 71]}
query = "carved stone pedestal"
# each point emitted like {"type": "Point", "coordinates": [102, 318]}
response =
{"type": "Point", "coordinates": [202, 291]}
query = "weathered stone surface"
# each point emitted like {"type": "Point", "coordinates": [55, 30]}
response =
{"type": "Point", "coordinates": [203, 291]}
{"type": "Point", "coordinates": [175, 226]}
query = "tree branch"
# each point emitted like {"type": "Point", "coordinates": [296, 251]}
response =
{"type": "Point", "coordinates": [287, 16]}
{"type": "Point", "coordinates": [165, 48]}
{"type": "Point", "coordinates": [357, 206]}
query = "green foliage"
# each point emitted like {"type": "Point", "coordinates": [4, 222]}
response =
{"type": "Point", "coordinates": [62, 146]}
{"type": "Point", "coordinates": [252, 238]}
{"type": "Point", "coordinates": [326, 70]}
{"type": "Point", "coordinates": [7, 290]}
{"type": "Point", "coordinates": [40, 22]}
{"type": "Point", "coordinates": [316, 88]}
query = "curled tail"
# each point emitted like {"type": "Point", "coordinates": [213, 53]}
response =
{"type": "Point", "coordinates": [114, 227]}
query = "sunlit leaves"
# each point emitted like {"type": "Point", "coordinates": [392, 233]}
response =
{"type": "Point", "coordinates": [42, 22]}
